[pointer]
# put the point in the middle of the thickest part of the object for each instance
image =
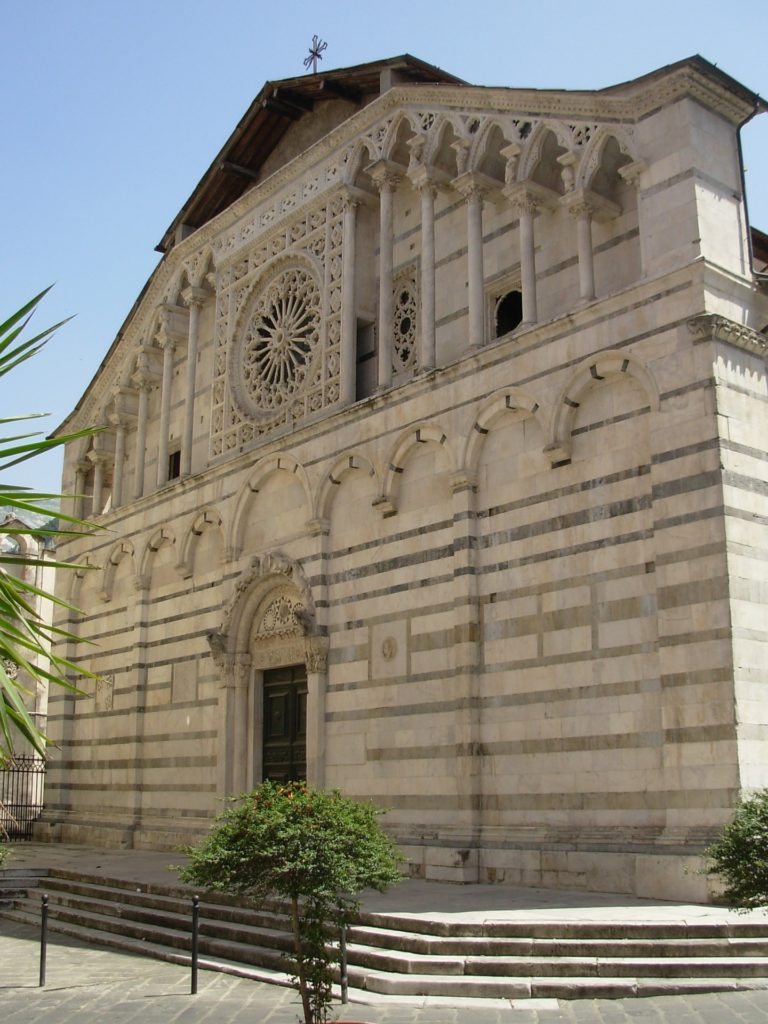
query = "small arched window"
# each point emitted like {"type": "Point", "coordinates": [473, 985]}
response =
{"type": "Point", "coordinates": [509, 313]}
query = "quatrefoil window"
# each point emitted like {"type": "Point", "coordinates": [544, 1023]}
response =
{"type": "Point", "coordinates": [279, 343]}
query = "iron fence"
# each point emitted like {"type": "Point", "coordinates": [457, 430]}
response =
{"type": "Point", "coordinates": [21, 796]}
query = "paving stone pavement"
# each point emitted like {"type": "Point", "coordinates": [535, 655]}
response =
{"type": "Point", "coordinates": [87, 985]}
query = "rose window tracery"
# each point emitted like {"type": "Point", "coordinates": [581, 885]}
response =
{"type": "Point", "coordinates": [280, 342]}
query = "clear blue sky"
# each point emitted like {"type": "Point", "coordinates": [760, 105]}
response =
{"type": "Point", "coordinates": [112, 111]}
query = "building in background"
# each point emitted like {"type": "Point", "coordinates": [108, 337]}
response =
{"type": "Point", "coordinates": [22, 781]}
{"type": "Point", "coordinates": [434, 469]}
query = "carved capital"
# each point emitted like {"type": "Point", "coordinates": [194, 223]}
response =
{"type": "Point", "coordinates": [195, 297]}
{"type": "Point", "coordinates": [631, 173]}
{"type": "Point", "coordinates": [385, 175]}
{"type": "Point", "coordinates": [582, 202]}
{"type": "Point", "coordinates": [425, 178]}
{"type": "Point", "coordinates": [530, 197]}
{"type": "Point", "coordinates": [473, 186]}
{"type": "Point", "coordinates": [141, 582]}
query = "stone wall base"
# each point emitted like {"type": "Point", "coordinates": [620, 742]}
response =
{"type": "Point", "coordinates": [653, 865]}
{"type": "Point", "coordinates": [652, 870]}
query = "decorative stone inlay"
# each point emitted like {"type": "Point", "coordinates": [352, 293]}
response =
{"type": "Point", "coordinates": [10, 668]}
{"type": "Point", "coordinates": [389, 648]}
{"type": "Point", "coordinates": [104, 692]}
{"type": "Point", "coordinates": [278, 347]}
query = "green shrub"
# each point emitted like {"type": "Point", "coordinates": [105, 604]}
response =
{"type": "Point", "coordinates": [740, 855]}
{"type": "Point", "coordinates": [313, 848]}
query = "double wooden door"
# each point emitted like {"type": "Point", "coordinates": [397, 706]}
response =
{"type": "Point", "coordinates": [285, 724]}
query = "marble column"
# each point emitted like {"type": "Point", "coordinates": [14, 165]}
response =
{"type": "Point", "coordinates": [631, 173]}
{"type": "Point", "coordinates": [473, 191]}
{"type": "Point", "coordinates": [348, 368]}
{"type": "Point", "coordinates": [117, 481]}
{"type": "Point", "coordinates": [425, 185]}
{"type": "Point", "coordinates": [97, 499]}
{"type": "Point", "coordinates": [81, 472]}
{"type": "Point", "coordinates": [386, 181]}
{"type": "Point", "coordinates": [586, 206]}
{"type": "Point", "coordinates": [195, 299]}
{"type": "Point", "coordinates": [168, 346]}
{"type": "Point", "coordinates": [143, 386]}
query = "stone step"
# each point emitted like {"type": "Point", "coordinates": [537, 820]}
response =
{"type": "Point", "coordinates": [245, 946]}
{"type": "Point", "coordinates": [158, 951]}
{"type": "Point", "coordinates": [553, 987]}
{"type": "Point", "coordinates": [482, 945]}
{"type": "Point", "coordinates": [150, 917]}
{"type": "Point", "coordinates": [566, 929]}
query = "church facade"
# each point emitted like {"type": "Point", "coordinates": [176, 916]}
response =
{"type": "Point", "coordinates": [434, 470]}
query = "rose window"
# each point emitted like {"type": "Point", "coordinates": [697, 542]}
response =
{"type": "Point", "coordinates": [280, 341]}
{"type": "Point", "coordinates": [405, 314]}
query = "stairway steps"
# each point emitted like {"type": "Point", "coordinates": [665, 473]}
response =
{"type": "Point", "coordinates": [151, 917]}
{"type": "Point", "coordinates": [481, 945]}
{"type": "Point", "coordinates": [398, 955]}
{"type": "Point", "coordinates": [251, 948]}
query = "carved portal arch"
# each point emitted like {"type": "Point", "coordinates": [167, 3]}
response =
{"type": "Point", "coordinates": [269, 622]}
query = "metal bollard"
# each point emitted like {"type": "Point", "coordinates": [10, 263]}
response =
{"type": "Point", "coordinates": [195, 931]}
{"type": "Point", "coordinates": [343, 975]}
{"type": "Point", "coordinates": [43, 939]}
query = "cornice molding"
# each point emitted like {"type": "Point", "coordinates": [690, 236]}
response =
{"type": "Point", "coordinates": [720, 328]}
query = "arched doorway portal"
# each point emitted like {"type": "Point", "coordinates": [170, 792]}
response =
{"type": "Point", "coordinates": [272, 662]}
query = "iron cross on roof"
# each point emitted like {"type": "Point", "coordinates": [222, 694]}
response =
{"type": "Point", "coordinates": [315, 53]}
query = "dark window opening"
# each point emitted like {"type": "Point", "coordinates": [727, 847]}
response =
{"type": "Point", "coordinates": [174, 465]}
{"type": "Point", "coordinates": [366, 376]}
{"type": "Point", "coordinates": [509, 313]}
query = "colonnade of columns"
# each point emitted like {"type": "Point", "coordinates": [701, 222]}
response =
{"type": "Point", "coordinates": [129, 409]}
{"type": "Point", "coordinates": [528, 198]}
